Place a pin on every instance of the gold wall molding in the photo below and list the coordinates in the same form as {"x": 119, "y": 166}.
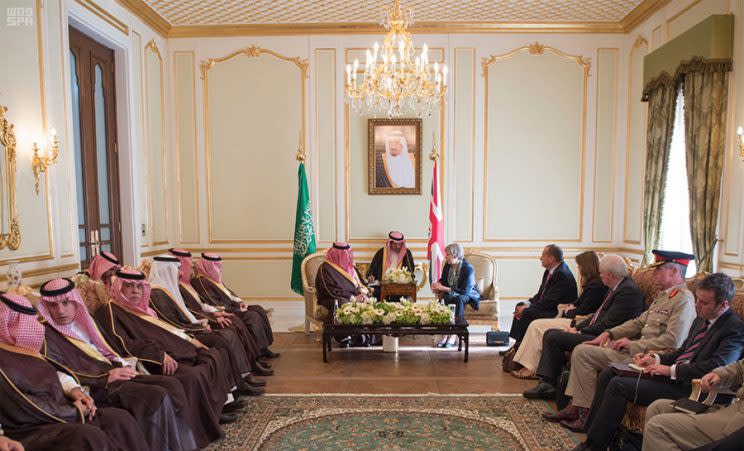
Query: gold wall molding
{"x": 735, "y": 266}
{"x": 44, "y": 271}
{"x": 317, "y": 145}
{"x": 614, "y": 146}
{"x": 676, "y": 16}
{"x": 641, "y": 13}
{"x": 153, "y": 47}
{"x": 147, "y": 15}
{"x": 103, "y": 14}
{"x": 584, "y": 63}
{"x": 206, "y": 65}
{"x": 11, "y": 239}
{"x": 639, "y": 43}
{"x": 178, "y": 150}
{"x": 454, "y": 129}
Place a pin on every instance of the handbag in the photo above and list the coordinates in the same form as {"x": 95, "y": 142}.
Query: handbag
{"x": 497, "y": 338}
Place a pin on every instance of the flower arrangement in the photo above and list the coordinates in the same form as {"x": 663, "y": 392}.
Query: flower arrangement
{"x": 404, "y": 312}
{"x": 397, "y": 275}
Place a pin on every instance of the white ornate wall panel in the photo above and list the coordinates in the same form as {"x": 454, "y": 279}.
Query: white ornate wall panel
{"x": 259, "y": 279}
{"x": 254, "y": 113}
{"x": 156, "y": 144}
{"x": 604, "y": 152}
{"x": 535, "y": 134}
{"x": 463, "y": 152}
{"x": 23, "y": 91}
{"x": 185, "y": 117}
{"x": 370, "y": 218}
{"x": 635, "y": 151}
{"x": 324, "y": 167}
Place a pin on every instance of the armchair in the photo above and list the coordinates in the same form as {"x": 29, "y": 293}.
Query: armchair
{"x": 314, "y": 313}
{"x": 486, "y": 279}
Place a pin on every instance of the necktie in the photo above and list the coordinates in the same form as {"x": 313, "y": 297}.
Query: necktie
{"x": 545, "y": 285}
{"x": 596, "y": 314}
{"x": 689, "y": 353}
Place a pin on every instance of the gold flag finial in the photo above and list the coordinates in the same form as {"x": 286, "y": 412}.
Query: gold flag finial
{"x": 434, "y": 154}
{"x": 300, "y": 151}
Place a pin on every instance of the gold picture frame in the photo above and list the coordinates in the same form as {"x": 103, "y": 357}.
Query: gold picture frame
{"x": 390, "y": 171}
{"x": 10, "y": 231}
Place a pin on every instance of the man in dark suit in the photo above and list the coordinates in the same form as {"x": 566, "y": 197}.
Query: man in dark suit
{"x": 623, "y": 301}
{"x": 716, "y": 338}
{"x": 558, "y": 286}
{"x": 457, "y": 284}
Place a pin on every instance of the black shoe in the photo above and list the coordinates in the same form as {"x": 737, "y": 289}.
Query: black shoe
{"x": 250, "y": 391}
{"x": 345, "y": 342}
{"x": 253, "y": 382}
{"x": 266, "y": 352}
{"x": 543, "y": 390}
{"x": 227, "y": 418}
{"x": 260, "y": 370}
{"x": 505, "y": 351}
{"x": 233, "y": 406}
{"x": 264, "y": 363}
{"x": 582, "y": 447}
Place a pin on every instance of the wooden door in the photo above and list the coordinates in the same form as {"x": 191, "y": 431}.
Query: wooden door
{"x": 96, "y": 159}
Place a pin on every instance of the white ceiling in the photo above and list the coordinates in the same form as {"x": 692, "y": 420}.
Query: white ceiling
{"x": 233, "y": 12}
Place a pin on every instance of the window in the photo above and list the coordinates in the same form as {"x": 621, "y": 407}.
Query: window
{"x": 675, "y": 220}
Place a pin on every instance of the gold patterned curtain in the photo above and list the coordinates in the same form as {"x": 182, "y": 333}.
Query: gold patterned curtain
{"x": 706, "y": 94}
{"x": 662, "y": 101}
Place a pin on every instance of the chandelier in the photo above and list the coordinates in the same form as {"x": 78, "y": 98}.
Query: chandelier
{"x": 393, "y": 76}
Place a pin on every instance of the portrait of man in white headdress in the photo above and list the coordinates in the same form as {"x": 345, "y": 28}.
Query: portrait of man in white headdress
{"x": 395, "y": 149}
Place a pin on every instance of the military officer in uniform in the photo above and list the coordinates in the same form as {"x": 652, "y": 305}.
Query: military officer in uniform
{"x": 663, "y": 326}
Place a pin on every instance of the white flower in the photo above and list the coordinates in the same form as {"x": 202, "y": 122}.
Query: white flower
{"x": 389, "y": 318}
{"x": 425, "y": 318}
{"x": 366, "y": 319}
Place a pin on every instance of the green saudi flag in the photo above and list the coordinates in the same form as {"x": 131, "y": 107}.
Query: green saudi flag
{"x": 304, "y": 236}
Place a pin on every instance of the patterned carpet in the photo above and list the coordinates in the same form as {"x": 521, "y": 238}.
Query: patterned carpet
{"x": 394, "y": 422}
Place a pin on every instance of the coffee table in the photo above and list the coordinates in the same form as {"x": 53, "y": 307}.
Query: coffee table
{"x": 343, "y": 330}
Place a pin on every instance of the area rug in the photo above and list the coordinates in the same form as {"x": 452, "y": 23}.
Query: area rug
{"x": 393, "y": 422}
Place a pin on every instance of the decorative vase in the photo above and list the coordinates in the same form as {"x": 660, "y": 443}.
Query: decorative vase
{"x": 15, "y": 278}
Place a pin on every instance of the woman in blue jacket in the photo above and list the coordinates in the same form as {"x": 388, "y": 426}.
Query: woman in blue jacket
{"x": 456, "y": 286}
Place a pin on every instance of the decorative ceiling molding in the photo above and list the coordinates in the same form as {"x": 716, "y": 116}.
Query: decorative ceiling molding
{"x": 183, "y": 17}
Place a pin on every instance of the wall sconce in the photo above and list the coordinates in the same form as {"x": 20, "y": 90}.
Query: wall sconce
{"x": 740, "y": 134}
{"x": 45, "y": 156}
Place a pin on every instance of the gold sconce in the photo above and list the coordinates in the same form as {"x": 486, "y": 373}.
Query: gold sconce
{"x": 45, "y": 156}
{"x": 740, "y": 134}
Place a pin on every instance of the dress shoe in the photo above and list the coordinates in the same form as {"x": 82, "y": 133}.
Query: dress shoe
{"x": 569, "y": 413}
{"x": 233, "y": 406}
{"x": 266, "y": 352}
{"x": 543, "y": 390}
{"x": 250, "y": 391}
{"x": 264, "y": 363}
{"x": 253, "y": 382}
{"x": 583, "y": 446}
{"x": 227, "y": 418}
{"x": 260, "y": 370}
{"x": 579, "y": 424}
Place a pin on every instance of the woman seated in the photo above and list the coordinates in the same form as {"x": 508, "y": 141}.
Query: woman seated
{"x": 338, "y": 282}
{"x": 593, "y": 292}
{"x": 456, "y": 287}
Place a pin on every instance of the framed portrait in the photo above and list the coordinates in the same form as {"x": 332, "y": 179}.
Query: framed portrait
{"x": 394, "y": 156}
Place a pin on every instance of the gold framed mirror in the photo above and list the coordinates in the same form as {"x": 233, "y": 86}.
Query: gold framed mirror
{"x": 10, "y": 232}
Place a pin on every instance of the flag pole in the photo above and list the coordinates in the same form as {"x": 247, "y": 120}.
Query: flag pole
{"x": 300, "y": 156}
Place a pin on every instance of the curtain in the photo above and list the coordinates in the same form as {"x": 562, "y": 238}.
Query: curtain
{"x": 662, "y": 100}
{"x": 706, "y": 94}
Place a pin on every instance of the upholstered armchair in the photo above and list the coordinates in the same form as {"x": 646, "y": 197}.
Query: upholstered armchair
{"x": 314, "y": 313}
{"x": 635, "y": 415}
{"x": 486, "y": 279}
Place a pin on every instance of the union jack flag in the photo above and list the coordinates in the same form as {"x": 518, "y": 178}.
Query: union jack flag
{"x": 435, "y": 248}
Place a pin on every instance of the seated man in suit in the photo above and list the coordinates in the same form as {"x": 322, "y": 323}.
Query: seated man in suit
{"x": 718, "y": 429}
{"x": 663, "y": 325}
{"x": 716, "y": 338}
{"x": 456, "y": 286}
{"x": 558, "y": 286}
{"x": 622, "y": 302}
